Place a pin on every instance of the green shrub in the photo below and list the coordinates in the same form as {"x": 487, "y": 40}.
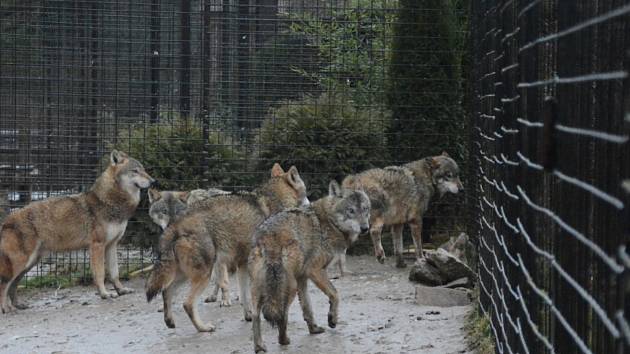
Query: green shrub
{"x": 175, "y": 155}
{"x": 325, "y": 137}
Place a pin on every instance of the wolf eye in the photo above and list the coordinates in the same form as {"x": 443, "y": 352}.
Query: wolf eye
{"x": 136, "y": 170}
{"x": 350, "y": 211}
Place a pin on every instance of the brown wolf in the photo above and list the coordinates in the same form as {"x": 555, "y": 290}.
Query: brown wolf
{"x": 401, "y": 194}
{"x": 166, "y": 206}
{"x": 218, "y": 231}
{"x": 296, "y": 245}
{"x": 95, "y": 219}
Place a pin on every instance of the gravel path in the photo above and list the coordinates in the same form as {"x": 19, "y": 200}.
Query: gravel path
{"x": 377, "y": 316}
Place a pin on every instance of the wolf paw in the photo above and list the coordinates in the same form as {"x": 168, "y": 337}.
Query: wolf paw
{"x": 206, "y": 328}
{"x": 315, "y": 329}
{"x": 225, "y": 303}
{"x": 332, "y": 321}
{"x": 260, "y": 348}
{"x": 211, "y": 298}
{"x": 284, "y": 340}
{"x": 169, "y": 322}
{"x": 124, "y": 291}
{"x": 108, "y": 295}
{"x": 8, "y": 308}
{"x": 248, "y": 316}
{"x": 380, "y": 259}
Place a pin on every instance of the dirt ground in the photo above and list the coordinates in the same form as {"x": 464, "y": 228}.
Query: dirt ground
{"x": 377, "y": 316}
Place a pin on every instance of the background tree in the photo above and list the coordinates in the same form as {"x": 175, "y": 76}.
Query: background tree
{"x": 425, "y": 80}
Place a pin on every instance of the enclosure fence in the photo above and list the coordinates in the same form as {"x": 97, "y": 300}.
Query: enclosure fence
{"x": 210, "y": 93}
{"x": 550, "y": 153}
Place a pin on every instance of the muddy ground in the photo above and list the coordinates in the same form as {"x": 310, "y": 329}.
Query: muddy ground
{"x": 377, "y": 315}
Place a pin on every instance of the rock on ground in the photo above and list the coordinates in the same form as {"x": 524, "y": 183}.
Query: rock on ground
{"x": 440, "y": 296}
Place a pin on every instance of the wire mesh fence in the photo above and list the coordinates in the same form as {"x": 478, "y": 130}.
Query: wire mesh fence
{"x": 550, "y": 152}
{"x": 210, "y": 93}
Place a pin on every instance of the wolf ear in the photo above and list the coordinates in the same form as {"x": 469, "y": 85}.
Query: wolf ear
{"x": 293, "y": 175}
{"x": 276, "y": 170}
{"x": 445, "y": 154}
{"x": 434, "y": 162}
{"x": 117, "y": 157}
{"x": 334, "y": 190}
{"x": 154, "y": 195}
{"x": 183, "y": 196}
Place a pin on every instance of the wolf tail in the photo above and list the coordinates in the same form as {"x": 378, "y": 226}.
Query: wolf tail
{"x": 274, "y": 302}
{"x": 164, "y": 270}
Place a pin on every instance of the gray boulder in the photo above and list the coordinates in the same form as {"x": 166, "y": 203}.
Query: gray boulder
{"x": 449, "y": 266}
{"x": 425, "y": 273}
{"x": 442, "y": 297}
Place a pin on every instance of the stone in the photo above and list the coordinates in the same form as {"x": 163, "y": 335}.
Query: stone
{"x": 449, "y": 267}
{"x": 425, "y": 273}
{"x": 459, "y": 283}
{"x": 441, "y": 297}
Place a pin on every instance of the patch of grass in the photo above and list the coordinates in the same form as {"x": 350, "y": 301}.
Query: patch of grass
{"x": 69, "y": 279}
{"x": 478, "y": 331}
{"x": 57, "y": 280}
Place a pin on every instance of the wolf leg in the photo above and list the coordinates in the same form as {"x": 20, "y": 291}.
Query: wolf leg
{"x": 283, "y": 338}
{"x": 259, "y": 345}
{"x": 375, "y": 234}
{"x": 305, "y": 304}
{"x": 13, "y": 289}
{"x": 111, "y": 261}
{"x": 30, "y": 263}
{"x": 320, "y": 279}
{"x": 198, "y": 285}
{"x": 397, "y": 238}
{"x": 223, "y": 283}
{"x": 416, "y": 231}
{"x": 167, "y": 297}
{"x": 215, "y": 290}
{"x": 97, "y": 260}
{"x": 342, "y": 264}
{"x": 5, "y": 299}
{"x": 243, "y": 284}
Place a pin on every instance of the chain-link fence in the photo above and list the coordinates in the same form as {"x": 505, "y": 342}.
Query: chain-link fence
{"x": 209, "y": 93}
{"x": 550, "y": 131}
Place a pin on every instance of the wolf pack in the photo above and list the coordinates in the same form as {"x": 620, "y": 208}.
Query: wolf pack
{"x": 272, "y": 238}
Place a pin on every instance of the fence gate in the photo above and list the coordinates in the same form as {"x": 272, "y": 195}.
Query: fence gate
{"x": 550, "y": 130}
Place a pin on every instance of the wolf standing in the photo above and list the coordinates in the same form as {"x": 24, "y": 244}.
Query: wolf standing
{"x": 95, "y": 219}
{"x": 296, "y": 245}
{"x": 218, "y": 231}
{"x": 401, "y": 194}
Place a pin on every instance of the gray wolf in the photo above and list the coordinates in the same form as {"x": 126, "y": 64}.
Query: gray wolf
{"x": 218, "y": 231}
{"x": 95, "y": 219}
{"x": 401, "y": 194}
{"x": 296, "y": 245}
{"x": 166, "y": 206}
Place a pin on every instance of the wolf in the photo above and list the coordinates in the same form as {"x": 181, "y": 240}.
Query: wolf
{"x": 166, "y": 206}
{"x": 296, "y": 245}
{"x": 401, "y": 194}
{"x": 95, "y": 219}
{"x": 218, "y": 231}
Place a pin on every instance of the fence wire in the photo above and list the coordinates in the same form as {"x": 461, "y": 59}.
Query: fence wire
{"x": 210, "y": 93}
{"x": 550, "y": 152}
